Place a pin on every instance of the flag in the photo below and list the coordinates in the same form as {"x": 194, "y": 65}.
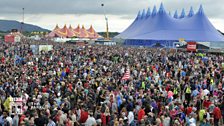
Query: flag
{"x": 126, "y": 75}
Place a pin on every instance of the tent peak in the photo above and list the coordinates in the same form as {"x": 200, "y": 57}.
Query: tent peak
{"x": 70, "y": 26}
{"x": 154, "y": 11}
{"x": 148, "y": 13}
{"x": 191, "y": 12}
{"x": 201, "y": 10}
{"x": 175, "y": 14}
{"x": 91, "y": 26}
{"x": 65, "y": 26}
{"x": 139, "y": 14}
{"x": 161, "y": 8}
{"x": 78, "y": 27}
{"x": 182, "y": 13}
{"x": 143, "y": 14}
{"x": 56, "y": 27}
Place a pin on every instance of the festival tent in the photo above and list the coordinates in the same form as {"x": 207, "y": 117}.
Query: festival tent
{"x": 182, "y": 14}
{"x": 175, "y": 14}
{"x": 93, "y": 34}
{"x": 160, "y": 26}
{"x": 73, "y": 31}
{"x": 196, "y": 28}
{"x": 64, "y": 33}
{"x": 135, "y": 26}
{"x": 77, "y": 30}
{"x": 83, "y": 33}
{"x": 191, "y": 12}
{"x": 53, "y": 33}
{"x": 56, "y": 28}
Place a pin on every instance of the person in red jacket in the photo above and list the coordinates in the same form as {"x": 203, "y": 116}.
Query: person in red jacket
{"x": 217, "y": 115}
{"x": 141, "y": 114}
{"x": 3, "y": 59}
{"x": 207, "y": 103}
{"x": 67, "y": 70}
{"x": 189, "y": 110}
{"x": 103, "y": 119}
{"x": 84, "y": 116}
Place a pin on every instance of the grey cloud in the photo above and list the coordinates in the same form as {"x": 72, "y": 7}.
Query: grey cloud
{"x": 125, "y": 8}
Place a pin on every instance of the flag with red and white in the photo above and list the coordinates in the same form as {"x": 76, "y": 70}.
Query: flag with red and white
{"x": 126, "y": 75}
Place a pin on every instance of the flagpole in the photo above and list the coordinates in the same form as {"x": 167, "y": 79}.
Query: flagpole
{"x": 107, "y": 26}
{"x": 21, "y": 30}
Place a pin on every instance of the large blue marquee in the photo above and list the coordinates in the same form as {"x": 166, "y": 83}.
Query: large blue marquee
{"x": 154, "y": 26}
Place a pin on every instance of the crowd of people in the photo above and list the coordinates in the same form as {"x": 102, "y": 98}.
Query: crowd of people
{"x": 84, "y": 85}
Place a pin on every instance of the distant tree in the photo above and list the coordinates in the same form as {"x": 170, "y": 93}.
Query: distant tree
{"x": 112, "y": 34}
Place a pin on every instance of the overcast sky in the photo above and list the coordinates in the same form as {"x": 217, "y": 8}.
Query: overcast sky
{"x": 121, "y": 13}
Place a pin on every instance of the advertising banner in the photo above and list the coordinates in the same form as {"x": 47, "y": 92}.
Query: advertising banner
{"x": 45, "y": 48}
{"x": 35, "y": 49}
{"x": 9, "y": 38}
{"x": 191, "y": 46}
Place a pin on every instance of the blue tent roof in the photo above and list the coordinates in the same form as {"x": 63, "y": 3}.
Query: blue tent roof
{"x": 161, "y": 9}
{"x": 154, "y": 11}
{"x": 148, "y": 14}
{"x": 175, "y": 14}
{"x": 143, "y": 14}
{"x": 201, "y": 10}
{"x": 182, "y": 14}
{"x": 191, "y": 12}
{"x": 139, "y": 15}
{"x": 161, "y": 26}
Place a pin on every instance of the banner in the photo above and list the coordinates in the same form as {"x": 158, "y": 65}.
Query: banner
{"x": 45, "y": 48}
{"x": 35, "y": 49}
{"x": 16, "y": 106}
{"x": 191, "y": 46}
{"x": 9, "y": 38}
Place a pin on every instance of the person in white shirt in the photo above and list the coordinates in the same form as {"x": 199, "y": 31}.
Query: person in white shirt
{"x": 166, "y": 121}
{"x": 130, "y": 117}
{"x": 192, "y": 121}
{"x": 9, "y": 120}
{"x": 15, "y": 120}
{"x": 91, "y": 121}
